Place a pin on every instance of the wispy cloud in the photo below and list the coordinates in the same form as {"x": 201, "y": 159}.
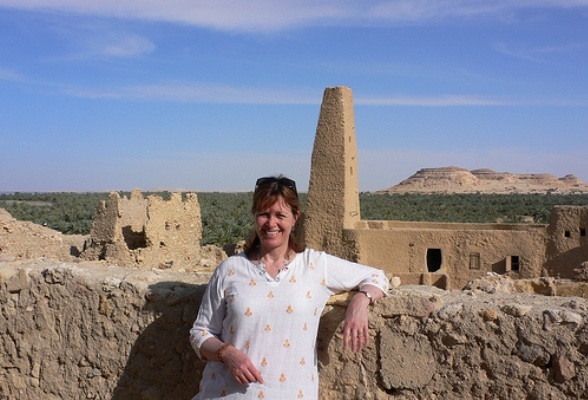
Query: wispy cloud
{"x": 211, "y": 93}
{"x": 12, "y": 76}
{"x": 433, "y": 101}
{"x": 200, "y": 93}
{"x": 102, "y": 42}
{"x": 274, "y": 15}
{"x": 439, "y": 10}
{"x": 119, "y": 46}
{"x": 187, "y": 92}
{"x": 537, "y": 54}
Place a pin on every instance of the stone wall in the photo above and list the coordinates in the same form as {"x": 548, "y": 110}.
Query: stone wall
{"x": 93, "y": 331}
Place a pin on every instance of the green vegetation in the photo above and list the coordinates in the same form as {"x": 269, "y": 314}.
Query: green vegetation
{"x": 226, "y": 217}
{"x": 70, "y": 213}
{"x": 474, "y": 208}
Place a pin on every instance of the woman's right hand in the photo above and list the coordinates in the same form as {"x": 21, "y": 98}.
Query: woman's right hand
{"x": 241, "y": 366}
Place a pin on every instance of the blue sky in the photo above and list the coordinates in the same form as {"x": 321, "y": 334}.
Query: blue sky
{"x": 209, "y": 95}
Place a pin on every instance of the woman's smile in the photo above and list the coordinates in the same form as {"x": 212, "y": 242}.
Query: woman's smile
{"x": 274, "y": 225}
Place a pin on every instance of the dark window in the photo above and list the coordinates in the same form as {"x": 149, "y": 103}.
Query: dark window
{"x": 582, "y": 231}
{"x": 134, "y": 240}
{"x": 514, "y": 263}
{"x": 433, "y": 260}
{"x": 567, "y": 234}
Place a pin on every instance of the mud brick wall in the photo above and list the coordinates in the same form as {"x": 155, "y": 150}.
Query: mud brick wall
{"x": 92, "y": 331}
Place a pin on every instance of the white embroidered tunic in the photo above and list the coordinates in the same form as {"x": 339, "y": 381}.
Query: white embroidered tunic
{"x": 272, "y": 320}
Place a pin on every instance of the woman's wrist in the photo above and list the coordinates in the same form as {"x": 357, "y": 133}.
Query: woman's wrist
{"x": 368, "y": 295}
{"x": 221, "y": 350}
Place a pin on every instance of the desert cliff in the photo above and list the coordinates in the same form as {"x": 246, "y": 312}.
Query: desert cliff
{"x": 460, "y": 180}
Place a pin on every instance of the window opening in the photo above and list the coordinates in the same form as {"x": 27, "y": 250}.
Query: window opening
{"x": 134, "y": 240}
{"x": 434, "y": 260}
{"x": 567, "y": 234}
{"x": 512, "y": 263}
{"x": 582, "y": 231}
{"x": 474, "y": 260}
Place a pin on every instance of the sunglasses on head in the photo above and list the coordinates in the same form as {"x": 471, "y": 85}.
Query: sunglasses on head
{"x": 287, "y": 182}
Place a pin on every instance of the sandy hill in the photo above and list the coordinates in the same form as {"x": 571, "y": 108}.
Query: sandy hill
{"x": 460, "y": 180}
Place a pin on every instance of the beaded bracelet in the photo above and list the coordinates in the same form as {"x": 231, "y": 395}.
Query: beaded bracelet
{"x": 219, "y": 352}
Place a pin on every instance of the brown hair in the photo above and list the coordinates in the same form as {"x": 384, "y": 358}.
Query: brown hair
{"x": 267, "y": 192}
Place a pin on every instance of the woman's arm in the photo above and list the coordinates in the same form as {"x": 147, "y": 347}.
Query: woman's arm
{"x": 238, "y": 363}
{"x": 355, "y": 328}
{"x": 344, "y": 275}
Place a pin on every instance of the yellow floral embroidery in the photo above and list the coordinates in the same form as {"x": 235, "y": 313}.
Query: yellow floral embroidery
{"x": 315, "y": 311}
{"x": 324, "y": 282}
{"x": 308, "y": 295}
{"x": 231, "y": 272}
{"x": 271, "y": 294}
{"x": 283, "y": 377}
{"x": 305, "y": 327}
{"x": 246, "y": 346}
{"x": 289, "y": 310}
{"x": 252, "y": 282}
{"x": 293, "y": 279}
{"x": 268, "y": 328}
{"x": 232, "y": 330}
{"x": 261, "y": 395}
{"x": 302, "y": 361}
{"x": 300, "y": 394}
{"x": 311, "y": 266}
{"x": 287, "y": 343}
{"x": 264, "y": 362}
{"x": 248, "y": 312}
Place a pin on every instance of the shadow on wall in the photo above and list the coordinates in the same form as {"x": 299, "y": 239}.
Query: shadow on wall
{"x": 329, "y": 327}
{"x": 162, "y": 364}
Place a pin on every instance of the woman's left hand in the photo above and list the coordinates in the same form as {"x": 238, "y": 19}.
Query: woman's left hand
{"x": 355, "y": 328}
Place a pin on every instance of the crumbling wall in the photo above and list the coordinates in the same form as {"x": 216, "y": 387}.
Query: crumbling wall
{"x": 91, "y": 331}
{"x": 23, "y": 240}
{"x": 567, "y": 248}
{"x": 149, "y": 232}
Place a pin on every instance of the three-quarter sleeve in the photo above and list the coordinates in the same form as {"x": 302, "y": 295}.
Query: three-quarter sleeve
{"x": 344, "y": 275}
{"x": 209, "y": 322}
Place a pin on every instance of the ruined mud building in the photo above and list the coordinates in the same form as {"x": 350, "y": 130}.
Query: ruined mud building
{"x": 146, "y": 232}
{"x": 447, "y": 255}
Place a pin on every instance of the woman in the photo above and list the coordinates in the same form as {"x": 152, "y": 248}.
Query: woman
{"x": 259, "y": 317}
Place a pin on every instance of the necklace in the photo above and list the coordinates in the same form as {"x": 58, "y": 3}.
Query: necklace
{"x": 287, "y": 259}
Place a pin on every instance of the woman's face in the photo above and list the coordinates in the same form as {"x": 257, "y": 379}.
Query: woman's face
{"x": 273, "y": 225}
